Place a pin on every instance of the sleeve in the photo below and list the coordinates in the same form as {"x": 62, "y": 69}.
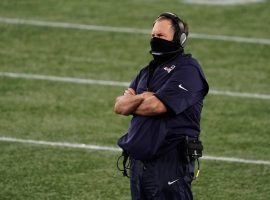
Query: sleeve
{"x": 135, "y": 81}
{"x": 183, "y": 89}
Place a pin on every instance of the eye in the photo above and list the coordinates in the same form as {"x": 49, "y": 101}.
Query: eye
{"x": 159, "y": 35}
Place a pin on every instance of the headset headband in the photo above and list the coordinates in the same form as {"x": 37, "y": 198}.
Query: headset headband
{"x": 180, "y": 35}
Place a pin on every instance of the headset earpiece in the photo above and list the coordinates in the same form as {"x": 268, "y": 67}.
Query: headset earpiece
{"x": 183, "y": 39}
{"x": 182, "y": 33}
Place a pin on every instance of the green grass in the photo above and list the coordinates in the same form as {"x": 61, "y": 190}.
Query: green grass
{"x": 86, "y": 54}
{"x": 34, "y": 172}
{"x": 62, "y": 111}
{"x": 56, "y": 111}
{"x": 246, "y": 20}
{"x": 80, "y": 113}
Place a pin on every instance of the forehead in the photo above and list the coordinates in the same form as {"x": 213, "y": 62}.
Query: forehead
{"x": 163, "y": 25}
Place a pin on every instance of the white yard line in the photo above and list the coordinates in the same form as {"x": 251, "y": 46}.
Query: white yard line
{"x": 118, "y": 83}
{"x": 114, "y": 149}
{"x": 237, "y": 160}
{"x": 60, "y": 144}
{"x": 240, "y": 94}
{"x": 67, "y": 25}
{"x": 63, "y": 79}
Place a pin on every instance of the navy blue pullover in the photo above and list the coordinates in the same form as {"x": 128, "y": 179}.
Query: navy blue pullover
{"x": 181, "y": 86}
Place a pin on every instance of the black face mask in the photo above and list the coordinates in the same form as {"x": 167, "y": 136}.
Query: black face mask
{"x": 163, "y": 50}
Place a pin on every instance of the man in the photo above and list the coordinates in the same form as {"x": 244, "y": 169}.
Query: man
{"x": 165, "y": 99}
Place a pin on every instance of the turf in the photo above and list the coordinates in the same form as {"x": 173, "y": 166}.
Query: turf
{"x": 34, "y": 172}
{"x": 45, "y": 110}
{"x": 42, "y": 173}
{"x": 105, "y": 55}
{"x": 80, "y": 113}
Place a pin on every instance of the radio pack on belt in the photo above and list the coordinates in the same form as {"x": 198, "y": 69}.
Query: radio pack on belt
{"x": 193, "y": 151}
{"x": 194, "y": 148}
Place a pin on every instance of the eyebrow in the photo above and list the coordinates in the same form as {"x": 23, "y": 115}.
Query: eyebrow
{"x": 159, "y": 34}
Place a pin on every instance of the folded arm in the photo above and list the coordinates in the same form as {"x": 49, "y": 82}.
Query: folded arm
{"x": 127, "y": 104}
{"x": 151, "y": 106}
{"x": 145, "y": 104}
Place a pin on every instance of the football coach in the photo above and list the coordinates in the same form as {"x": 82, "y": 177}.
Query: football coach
{"x": 165, "y": 100}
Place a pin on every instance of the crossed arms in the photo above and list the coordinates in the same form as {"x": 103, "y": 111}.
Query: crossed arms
{"x": 145, "y": 104}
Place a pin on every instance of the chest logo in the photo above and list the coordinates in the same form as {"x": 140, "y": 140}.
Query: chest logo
{"x": 169, "y": 69}
{"x": 172, "y": 182}
{"x": 180, "y": 86}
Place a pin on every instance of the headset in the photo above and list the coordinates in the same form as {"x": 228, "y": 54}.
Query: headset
{"x": 181, "y": 31}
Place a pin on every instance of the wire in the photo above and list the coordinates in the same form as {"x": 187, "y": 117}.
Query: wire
{"x": 198, "y": 170}
{"x": 126, "y": 166}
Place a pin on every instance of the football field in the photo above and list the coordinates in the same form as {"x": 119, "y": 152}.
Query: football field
{"x": 63, "y": 63}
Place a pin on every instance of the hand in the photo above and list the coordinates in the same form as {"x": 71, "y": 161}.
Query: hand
{"x": 145, "y": 95}
{"x": 129, "y": 91}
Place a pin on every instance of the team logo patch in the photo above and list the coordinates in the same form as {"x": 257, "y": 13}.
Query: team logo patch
{"x": 169, "y": 69}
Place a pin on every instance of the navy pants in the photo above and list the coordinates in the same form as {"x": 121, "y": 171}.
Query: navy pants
{"x": 168, "y": 177}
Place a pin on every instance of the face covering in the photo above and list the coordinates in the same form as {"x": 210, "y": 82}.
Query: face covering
{"x": 163, "y": 50}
